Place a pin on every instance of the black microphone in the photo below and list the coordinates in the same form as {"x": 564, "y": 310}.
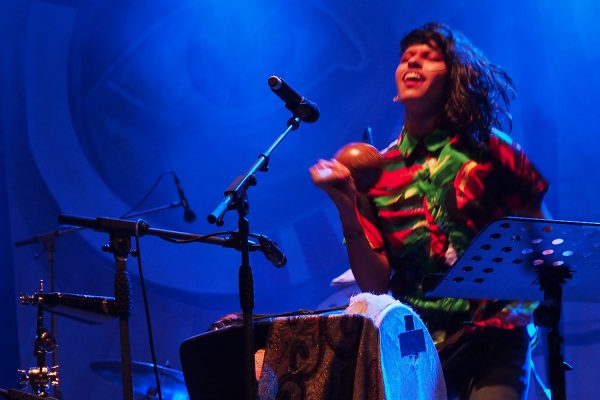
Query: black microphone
{"x": 303, "y": 108}
{"x": 188, "y": 214}
{"x": 367, "y": 136}
{"x": 271, "y": 251}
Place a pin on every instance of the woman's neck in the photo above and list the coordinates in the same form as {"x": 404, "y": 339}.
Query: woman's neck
{"x": 420, "y": 125}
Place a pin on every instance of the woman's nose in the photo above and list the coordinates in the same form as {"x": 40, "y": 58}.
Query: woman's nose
{"x": 414, "y": 61}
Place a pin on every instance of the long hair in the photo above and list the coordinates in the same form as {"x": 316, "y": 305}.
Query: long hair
{"x": 478, "y": 93}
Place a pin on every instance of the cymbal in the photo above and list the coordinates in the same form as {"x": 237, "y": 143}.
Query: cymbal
{"x": 172, "y": 383}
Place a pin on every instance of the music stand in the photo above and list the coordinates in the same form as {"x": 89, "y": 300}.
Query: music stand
{"x": 531, "y": 259}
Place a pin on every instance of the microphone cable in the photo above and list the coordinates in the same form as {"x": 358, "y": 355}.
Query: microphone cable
{"x": 148, "y": 193}
{"x": 264, "y": 245}
{"x": 138, "y": 255}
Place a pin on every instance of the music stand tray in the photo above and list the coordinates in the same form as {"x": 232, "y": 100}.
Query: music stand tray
{"x": 531, "y": 259}
{"x": 505, "y": 261}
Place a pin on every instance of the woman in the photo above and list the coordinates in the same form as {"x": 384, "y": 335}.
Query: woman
{"x": 450, "y": 172}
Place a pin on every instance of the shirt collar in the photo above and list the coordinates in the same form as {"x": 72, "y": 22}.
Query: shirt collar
{"x": 432, "y": 142}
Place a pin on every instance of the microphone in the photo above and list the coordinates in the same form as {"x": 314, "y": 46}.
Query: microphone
{"x": 188, "y": 214}
{"x": 271, "y": 251}
{"x": 303, "y": 108}
{"x": 367, "y": 136}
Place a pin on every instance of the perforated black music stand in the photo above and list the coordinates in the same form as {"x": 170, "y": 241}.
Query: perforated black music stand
{"x": 531, "y": 259}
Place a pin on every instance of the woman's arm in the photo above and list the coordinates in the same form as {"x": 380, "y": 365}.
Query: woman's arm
{"x": 370, "y": 268}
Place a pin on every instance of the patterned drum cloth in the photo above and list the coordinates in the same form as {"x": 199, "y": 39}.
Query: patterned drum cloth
{"x": 378, "y": 349}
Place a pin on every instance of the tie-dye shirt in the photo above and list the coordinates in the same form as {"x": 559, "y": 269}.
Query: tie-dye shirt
{"x": 433, "y": 197}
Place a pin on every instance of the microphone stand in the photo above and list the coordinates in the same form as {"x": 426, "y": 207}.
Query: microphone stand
{"x": 120, "y": 233}
{"x": 236, "y": 199}
{"x": 48, "y": 239}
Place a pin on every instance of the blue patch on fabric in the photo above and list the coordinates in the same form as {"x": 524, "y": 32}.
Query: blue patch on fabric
{"x": 412, "y": 342}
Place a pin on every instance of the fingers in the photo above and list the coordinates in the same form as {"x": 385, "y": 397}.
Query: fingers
{"x": 321, "y": 170}
{"x": 329, "y": 171}
{"x": 335, "y": 179}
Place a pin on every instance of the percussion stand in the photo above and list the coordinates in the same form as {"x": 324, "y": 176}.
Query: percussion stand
{"x": 236, "y": 199}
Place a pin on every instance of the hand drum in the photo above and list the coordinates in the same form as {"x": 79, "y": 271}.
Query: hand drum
{"x": 364, "y": 162}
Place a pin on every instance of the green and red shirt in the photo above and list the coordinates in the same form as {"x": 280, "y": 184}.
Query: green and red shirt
{"x": 433, "y": 197}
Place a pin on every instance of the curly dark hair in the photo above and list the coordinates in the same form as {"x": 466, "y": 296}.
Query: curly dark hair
{"x": 479, "y": 92}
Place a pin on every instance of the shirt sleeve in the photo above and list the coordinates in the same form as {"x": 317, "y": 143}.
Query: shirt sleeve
{"x": 523, "y": 185}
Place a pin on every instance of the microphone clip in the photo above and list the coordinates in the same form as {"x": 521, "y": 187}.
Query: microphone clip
{"x": 271, "y": 251}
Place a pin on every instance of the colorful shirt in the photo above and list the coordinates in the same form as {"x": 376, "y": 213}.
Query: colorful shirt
{"x": 433, "y": 197}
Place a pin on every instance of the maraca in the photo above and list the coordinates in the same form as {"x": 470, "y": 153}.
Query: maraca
{"x": 364, "y": 162}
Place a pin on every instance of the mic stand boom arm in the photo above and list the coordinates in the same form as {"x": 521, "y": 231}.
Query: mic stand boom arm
{"x": 236, "y": 192}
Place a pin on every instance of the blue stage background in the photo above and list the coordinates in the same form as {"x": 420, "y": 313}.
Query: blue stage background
{"x": 99, "y": 97}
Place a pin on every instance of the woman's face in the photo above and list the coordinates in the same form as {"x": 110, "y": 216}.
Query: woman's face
{"x": 421, "y": 78}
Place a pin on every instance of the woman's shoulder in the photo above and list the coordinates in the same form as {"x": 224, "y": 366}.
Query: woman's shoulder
{"x": 390, "y": 147}
{"x": 500, "y": 139}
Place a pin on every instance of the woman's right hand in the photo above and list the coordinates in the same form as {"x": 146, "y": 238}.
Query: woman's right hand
{"x": 335, "y": 179}
{"x": 371, "y": 268}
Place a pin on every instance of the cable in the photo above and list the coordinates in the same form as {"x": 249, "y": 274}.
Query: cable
{"x": 535, "y": 339}
{"x": 147, "y": 308}
{"x": 148, "y": 193}
{"x": 269, "y": 248}
{"x": 199, "y": 238}
{"x": 539, "y": 380}
{"x": 202, "y": 237}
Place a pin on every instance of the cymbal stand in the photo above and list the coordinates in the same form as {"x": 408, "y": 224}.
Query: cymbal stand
{"x": 40, "y": 378}
{"x": 48, "y": 240}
